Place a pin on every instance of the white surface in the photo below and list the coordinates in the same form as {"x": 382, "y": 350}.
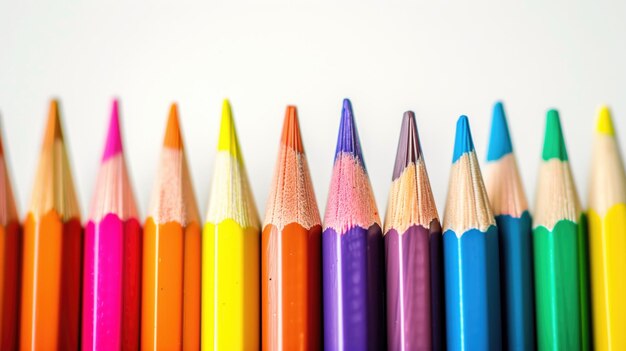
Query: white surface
{"x": 441, "y": 60}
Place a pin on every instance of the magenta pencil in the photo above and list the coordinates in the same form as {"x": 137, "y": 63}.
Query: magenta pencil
{"x": 112, "y": 270}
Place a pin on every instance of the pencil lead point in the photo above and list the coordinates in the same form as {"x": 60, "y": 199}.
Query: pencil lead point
{"x": 348, "y": 139}
{"x": 291, "y": 136}
{"x": 409, "y": 147}
{"x": 605, "y": 122}
{"x": 173, "y": 138}
{"x": 554, "y": 143}
{"x": 114, "y": 138}
{"x": 463, "y": 141}
{"x": 500, "y": 139}
{"x": 228, "y": 134}
{"x": 53, "y": 128}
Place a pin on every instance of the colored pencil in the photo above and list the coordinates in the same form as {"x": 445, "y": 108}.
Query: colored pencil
{"x": 10, "y": 254}
{"x": 352, "y": 251}
{"x": 509, "y": 204}
{"x": 170, "y": 317}
{"x": 607, "y": 237}
{"x": 53, "y": 242}
{"x": 230, "y": 252}
{"x": 291, "y": 251}
{"x": 415, "y": 310}
{"x": 471, "y": 258}
{"x": 556, "y": 244}
{"x": 112, "y": 270}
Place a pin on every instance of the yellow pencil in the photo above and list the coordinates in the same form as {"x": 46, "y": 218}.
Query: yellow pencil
{"x": 230, "y": 252}
{"x": 607, "y": 237}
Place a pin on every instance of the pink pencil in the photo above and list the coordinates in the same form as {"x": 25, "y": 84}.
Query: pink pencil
{"x": 112, "y": 274}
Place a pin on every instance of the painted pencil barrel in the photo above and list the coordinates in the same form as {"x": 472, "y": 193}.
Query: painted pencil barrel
{"x": 557, "y": 286}
{"x": 131, "y": 284}
{"x": 10, "y": 254}
{"x": 410, "y": 306}
{"x": 471, "y": 264}
{"x": 192, "y": 296}
{"x": 517, "y": 281}
{"x": 112, "y": 283}
{"x": 607, "y": 239}
{"x": 583, "y": 274}
{"x": 353, "y": 283}
{"x": 170, "y": 304}
{"x": 437, "y": 292}
{"x": 291, "y": 288}
{"x": 51, "y": 288}
{"x": 102, "y": 299}
{"x": 230, "y": 287}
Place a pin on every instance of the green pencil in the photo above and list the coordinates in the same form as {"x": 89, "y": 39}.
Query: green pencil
{"x": 560, "y": 246}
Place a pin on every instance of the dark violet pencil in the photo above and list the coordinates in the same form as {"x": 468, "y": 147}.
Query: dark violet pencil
{"x": 352, "y": 249}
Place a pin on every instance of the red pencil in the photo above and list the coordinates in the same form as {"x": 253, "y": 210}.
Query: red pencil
{"x": 9, "y": 259}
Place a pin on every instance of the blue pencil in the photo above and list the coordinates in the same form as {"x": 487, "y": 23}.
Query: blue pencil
{"x": 508, "y": 201}
{"x": 471, "y": 260}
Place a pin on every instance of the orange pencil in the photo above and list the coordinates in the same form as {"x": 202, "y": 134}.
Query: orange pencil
{"x": 291, "y": 251}
{"x": 9, "y": 259}
{"x": 51, "y": 278}
{"x": 171, "y": 253}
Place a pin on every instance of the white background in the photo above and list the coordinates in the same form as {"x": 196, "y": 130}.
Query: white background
{"x": 441, "y": 60}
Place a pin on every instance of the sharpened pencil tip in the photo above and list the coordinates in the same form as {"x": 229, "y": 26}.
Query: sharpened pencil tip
{"x": 114, "y": 138}
{"x": 463, "y": 141}
{"x": 228, "y": 135}
{"x": 291, "y": 137}
{"x": 173, "y": 138}
{"x": 409, "y": 148}
{"x": 348, "y": 139}
{"x": 1, "y": 142}
{"x": 347, "y": 105}
{"x": 500, "y": 139}
{"x": 554, "y": 143}
{"x": 53, "y": 128}
{"x": 605, "y": 122}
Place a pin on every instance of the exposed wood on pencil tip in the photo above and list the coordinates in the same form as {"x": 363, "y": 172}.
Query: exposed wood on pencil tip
{"x": 605, "y": 122}
{"x": 8, "y": 210}
{"x": 1, "y": 141}
{"x": 556, "y": 196}
{"x": 53, "y": 188}
{"x": 607, "y": 185}
{"x": 291, "y": 136}
{"x": 53, "y": 128}
{"x": 173, "y": 137}
{"x": 467, "y": 206}
{"x": 291, "y": 198}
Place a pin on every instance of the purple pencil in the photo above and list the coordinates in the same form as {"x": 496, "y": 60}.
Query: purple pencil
{"x": 352, "y": 248}
{"x": 413, "y": 251}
